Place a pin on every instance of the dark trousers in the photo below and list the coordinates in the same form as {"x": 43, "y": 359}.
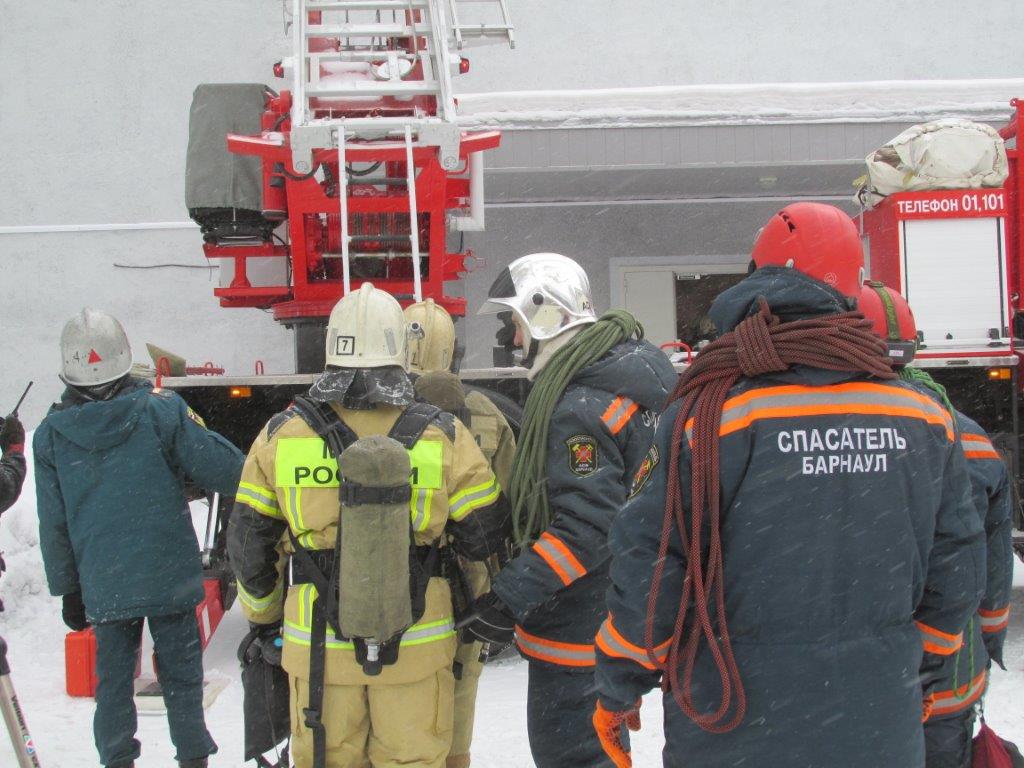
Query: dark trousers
{"x": 559, "y": 707}
{"x": 947, "y": 742}
{"x": 179, "y": 660}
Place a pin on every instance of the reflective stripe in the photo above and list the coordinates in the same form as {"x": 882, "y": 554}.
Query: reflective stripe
{"x": 417, "y": 634}
{"x": 978, "y": 447}
{"x": 615, "y": 645}
{"x": 259, "y": 498}
{"x": 994, "y": 621}
{"x": 259, "y": 604}
{"x": 419, "y": 504}
{"x": 618, "y": 414}
{"x": 464, "y": 502}
{"x": 559, "y": 558}
{"x": 947, "y": 702}
{"x": 938, "y": 642}
{"x": 858, "y": 398}
{"x": 554, "y": 652}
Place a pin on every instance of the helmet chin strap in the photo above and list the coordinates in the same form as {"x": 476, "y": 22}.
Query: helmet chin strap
{"x": 531, "y": 356}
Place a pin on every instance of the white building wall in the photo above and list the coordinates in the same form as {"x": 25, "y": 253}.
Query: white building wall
{"x": 94, "y": 109}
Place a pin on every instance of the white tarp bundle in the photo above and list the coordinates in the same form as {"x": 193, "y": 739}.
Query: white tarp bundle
{"x": 944, "y": 154}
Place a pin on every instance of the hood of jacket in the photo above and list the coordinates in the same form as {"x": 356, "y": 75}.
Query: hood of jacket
{"x": 634, "y": 369}
{"x": 104, "y": 424}
{"x": 791, "y": 295}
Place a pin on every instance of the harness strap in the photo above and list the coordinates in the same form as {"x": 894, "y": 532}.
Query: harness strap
{"x": 317, "y": 660}
{"x": 414, "y": 422}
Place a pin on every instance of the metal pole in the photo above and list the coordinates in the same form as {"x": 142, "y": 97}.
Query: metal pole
{"x": 24, "y": 748}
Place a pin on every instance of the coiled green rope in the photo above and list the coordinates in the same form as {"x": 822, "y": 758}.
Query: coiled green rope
{"x": 918, "y": 376}
{"x": 528, "y": 486}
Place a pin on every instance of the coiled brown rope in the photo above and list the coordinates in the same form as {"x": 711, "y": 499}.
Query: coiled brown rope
{"x": 759, "y": 345}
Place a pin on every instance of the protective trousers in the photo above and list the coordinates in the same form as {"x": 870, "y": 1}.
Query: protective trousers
{"x": 383, "y": 726}
{"x": 947, "y": 741}
{"x": 559, "y": 706}
{"x": 179, "y": 661}
{"x": 468, "y": 668}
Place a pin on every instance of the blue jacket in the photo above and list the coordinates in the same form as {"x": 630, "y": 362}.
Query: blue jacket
{"x": 600, "y": 431}
{"x": 964, "y": 680}
{"x": 113, "y": 519}
{"x": 850, "y": 547}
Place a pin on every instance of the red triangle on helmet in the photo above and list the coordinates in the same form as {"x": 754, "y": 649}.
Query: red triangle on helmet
{"x": 94, "y": 357}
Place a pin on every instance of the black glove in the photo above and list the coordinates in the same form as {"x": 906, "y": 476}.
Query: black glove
{"x": 489, "y": 620}
{"x": 263, "y": 641}
{"x": 73, "y": 612}
{"x": 12, "y": 434}
{"x": 505, "y": 336}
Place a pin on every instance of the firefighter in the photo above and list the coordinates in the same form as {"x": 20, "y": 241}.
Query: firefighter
{"x": 431, "y": 358}
{"x": 950, "y": 725}
{"x": 353, "y": 704}
{"x": 588, "y": 422}
{"x": 801, "y": 532}
{"x": 116, "y": 537}
{"x": 12, "y": 462}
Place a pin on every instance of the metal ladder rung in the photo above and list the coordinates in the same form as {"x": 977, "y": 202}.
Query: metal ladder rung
{"x": 384, "y": 88}
{"x": 369, "y": 30}
{"x": 367, "y": 5}
{"x": 484, "y": 29}
{"x": 372, "y": 57}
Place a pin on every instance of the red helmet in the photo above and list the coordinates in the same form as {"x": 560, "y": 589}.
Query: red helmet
{"x": 893, "y": 319}
{"x": 817, "y": 239}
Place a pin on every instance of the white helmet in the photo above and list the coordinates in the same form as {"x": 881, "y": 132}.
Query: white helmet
{"x": 94, "y": 349}
{"x": 367, "y": 330}
{"x": 548, "y": 292}
{"x": 432, "y": 340}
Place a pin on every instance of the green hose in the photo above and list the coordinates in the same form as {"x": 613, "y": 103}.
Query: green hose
{"x": 528, "y": 486}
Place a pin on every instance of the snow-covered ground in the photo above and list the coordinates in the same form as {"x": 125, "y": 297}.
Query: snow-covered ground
{"x": 62, "y": 726}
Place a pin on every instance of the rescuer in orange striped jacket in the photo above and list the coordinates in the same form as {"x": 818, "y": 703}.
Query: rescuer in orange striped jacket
{"x": 849, "y": 545}
{"x": 950, "y": 723}
{"x": 600, "y": 428}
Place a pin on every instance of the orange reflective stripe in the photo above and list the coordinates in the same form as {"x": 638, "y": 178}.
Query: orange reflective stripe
{"x": 559, "y": 558}
{"x": 795, "y": 401}
{"x": 978, "y": 447}
{"x": 618, "y": 414}
{"x": 994, "y": 621}
{"x": 948, "y": 702}
{"x": 553, "y": 651}
{"x": 939, "y": 642}
{"x": 612, "y": 643}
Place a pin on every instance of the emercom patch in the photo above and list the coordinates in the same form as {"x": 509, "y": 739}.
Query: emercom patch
{"x": 582, "y": 454}
{"x": 306, "y": 462}
{"x": 643, "y": 474}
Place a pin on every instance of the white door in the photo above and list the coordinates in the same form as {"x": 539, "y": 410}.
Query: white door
{"x": 649, "y": 293}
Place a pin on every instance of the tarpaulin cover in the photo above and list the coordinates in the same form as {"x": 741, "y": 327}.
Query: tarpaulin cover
{"x": 945, "y": 154}
{"x": 214, "y": 177}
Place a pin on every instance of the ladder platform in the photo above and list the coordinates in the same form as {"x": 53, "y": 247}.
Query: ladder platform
{"x": 364, "y": 88}
{"x": 369, "y": 30}
{"x": 367, "y": 5}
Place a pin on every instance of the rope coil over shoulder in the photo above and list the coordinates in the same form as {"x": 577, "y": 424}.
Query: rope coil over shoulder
{"x": 759, "y": 345}
{"x": 528, "y": 487}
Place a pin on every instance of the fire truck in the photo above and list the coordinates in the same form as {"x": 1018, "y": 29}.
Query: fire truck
{"x": 955, "y": 255}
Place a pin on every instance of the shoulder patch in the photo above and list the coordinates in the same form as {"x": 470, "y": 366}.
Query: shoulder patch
{"x": 161, "y": 392}
{"x": 643, "y": 474}
{"x": 583, "y": 457}
{"x": 195, "y": 417}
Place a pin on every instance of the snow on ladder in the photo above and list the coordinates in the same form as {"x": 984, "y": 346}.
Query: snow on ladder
{"x": 503, "y": 29}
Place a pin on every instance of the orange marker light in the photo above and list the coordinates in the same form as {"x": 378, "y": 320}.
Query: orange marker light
{"x": 1000, "y": 374}
{"x": 240, "y": 392}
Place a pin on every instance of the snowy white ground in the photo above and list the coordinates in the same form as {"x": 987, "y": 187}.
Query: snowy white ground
{"x": 62, "y": 726}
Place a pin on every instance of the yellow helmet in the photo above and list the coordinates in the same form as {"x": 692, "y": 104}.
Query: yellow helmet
{"x": 431, "y": 338}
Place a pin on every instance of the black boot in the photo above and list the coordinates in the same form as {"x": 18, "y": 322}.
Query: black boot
{"x": 199, "y": 762}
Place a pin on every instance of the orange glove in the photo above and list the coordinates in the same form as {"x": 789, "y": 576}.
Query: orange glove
{"x": 609, "y": 731}
{"x": 926, "y": 707}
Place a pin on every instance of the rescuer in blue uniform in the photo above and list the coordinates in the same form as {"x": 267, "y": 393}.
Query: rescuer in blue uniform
{"x": 832, "y": 553}
{"x": 115, "y": 531}
{"x": 12, "y": 462}
{"x": 588, "y": 423}
{"x": 953, "y": 694}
